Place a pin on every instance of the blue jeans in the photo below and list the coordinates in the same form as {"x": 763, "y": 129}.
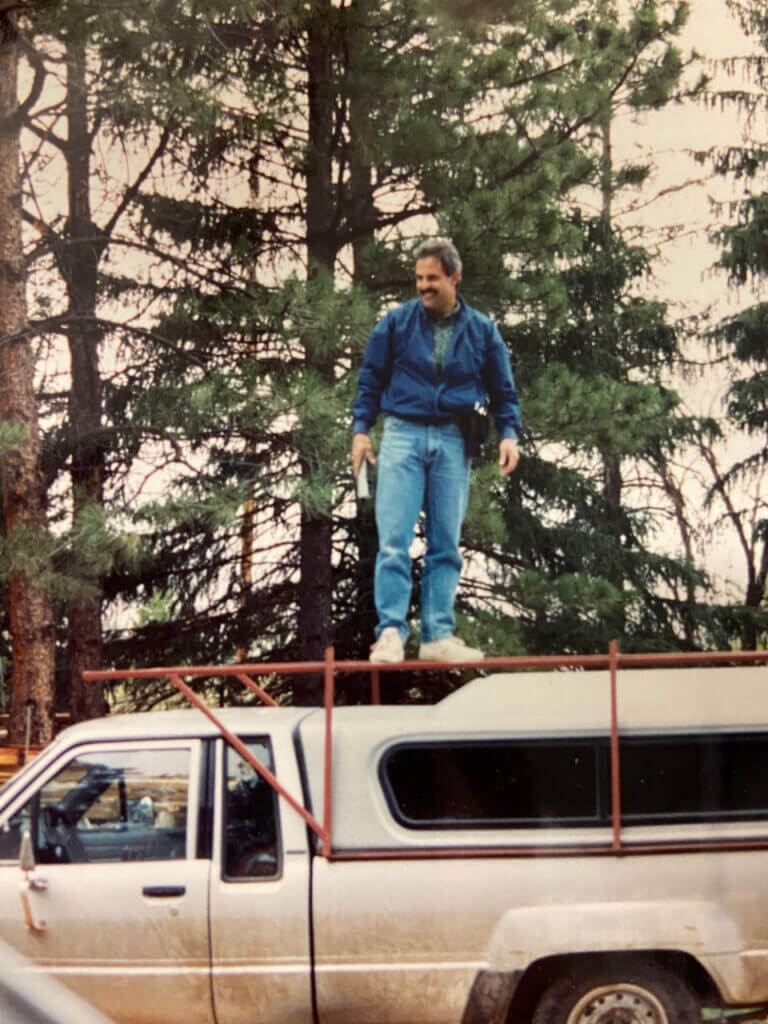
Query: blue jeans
{"x": 419, "y": 467}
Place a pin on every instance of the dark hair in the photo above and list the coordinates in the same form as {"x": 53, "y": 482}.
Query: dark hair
{"x": 444, "y": 250}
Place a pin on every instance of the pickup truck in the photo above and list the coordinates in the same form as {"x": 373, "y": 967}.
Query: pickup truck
{"x": 537, "y": 847}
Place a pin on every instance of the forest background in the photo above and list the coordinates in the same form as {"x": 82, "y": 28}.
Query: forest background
{"x": 205, "y": 206}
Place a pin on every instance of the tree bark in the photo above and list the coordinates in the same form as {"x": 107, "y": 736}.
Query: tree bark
{"x": 80, "y": 262}
{"x": 315, "y": 627}
{"x": 362, "y": 218}
{"x": 613, "y": 481}
{"x": 31, "y": 613}
{"x": 676, "y": 496}
{"x": 758, "y": 575}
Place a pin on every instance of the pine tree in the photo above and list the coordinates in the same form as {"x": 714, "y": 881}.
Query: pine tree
{"x": 300, "y": 152}
{"x": 25, "y": 541}
{"x": 356, "y": 123}
{"x": 576, "y": 557}
{"x": 115, "y": 95}
{"x": 742, "y": 335}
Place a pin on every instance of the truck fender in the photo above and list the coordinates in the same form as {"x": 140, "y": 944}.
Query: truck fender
{"x": 527, "y": 934}
{"x": 699, "y": 928}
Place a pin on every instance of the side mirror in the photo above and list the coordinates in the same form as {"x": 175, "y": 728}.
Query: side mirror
{"x": 30, "y": 884}
{"x": 27, "y": 853}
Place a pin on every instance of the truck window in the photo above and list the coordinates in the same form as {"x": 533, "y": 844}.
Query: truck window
{"x": 250, "y": 817}
{"x": 694, "y": 778}
{"x": 109, "y": 805}
{"x": 496, "y": 784}
{"x": 665, "y": 779}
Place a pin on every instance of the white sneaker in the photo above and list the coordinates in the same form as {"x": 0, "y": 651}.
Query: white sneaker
{"x": 388, "y": 648}
{"x": 450, "y": 648}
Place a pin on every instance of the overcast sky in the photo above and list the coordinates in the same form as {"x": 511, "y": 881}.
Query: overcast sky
{"x": 680, "y": 194}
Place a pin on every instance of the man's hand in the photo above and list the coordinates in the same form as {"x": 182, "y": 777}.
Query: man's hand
{"x": 361, "y": 449}
{"x": 509, "y": 456}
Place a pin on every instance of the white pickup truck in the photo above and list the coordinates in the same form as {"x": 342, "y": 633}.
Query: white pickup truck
{"x": 519, "y": 852}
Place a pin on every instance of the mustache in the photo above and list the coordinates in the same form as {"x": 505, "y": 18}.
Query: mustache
{"x": 428, "y": 291}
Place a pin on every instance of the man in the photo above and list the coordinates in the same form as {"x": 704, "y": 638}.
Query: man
{"x": 427, "y": 362}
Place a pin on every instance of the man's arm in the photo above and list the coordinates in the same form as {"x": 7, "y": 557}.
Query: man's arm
{"x": 373, "y": 379}
{"x": 375, "y": 371}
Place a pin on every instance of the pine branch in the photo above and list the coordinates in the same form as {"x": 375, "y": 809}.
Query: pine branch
{"x": 132, "y": 190}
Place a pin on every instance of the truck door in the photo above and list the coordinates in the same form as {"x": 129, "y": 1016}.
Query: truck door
{"x": 259, "y": 904}
{"x": 117, "y": 902}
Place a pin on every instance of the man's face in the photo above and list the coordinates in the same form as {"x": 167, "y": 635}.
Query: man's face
{"x": 437, "y": 290}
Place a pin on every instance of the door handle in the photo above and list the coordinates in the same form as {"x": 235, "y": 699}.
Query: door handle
{"x": 163, "y": 891}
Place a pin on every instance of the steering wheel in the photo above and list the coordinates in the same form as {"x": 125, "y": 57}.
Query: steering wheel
{"x": 60, "y": 839}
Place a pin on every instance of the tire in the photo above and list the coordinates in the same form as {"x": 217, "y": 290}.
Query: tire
{"x": 634, "y": 993}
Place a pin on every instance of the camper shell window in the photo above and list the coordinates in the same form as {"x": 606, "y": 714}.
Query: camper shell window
{"x": 719, "y": 777}
{"x": 562, "y": 782}
{"x": 495, "y": 784}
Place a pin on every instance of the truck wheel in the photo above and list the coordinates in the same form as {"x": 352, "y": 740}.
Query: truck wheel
{"x": 634, "y": 994}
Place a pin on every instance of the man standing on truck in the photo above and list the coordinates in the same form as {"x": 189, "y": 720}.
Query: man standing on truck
{"x": 434, "y": 366}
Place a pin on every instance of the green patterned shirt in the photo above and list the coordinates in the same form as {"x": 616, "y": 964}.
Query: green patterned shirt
{"x": 443, "y": 328}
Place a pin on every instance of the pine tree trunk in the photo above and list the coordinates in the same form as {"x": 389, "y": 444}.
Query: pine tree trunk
{"x": 677, "y": 498}
{"x": 612, "y": 480}
{"x": 31, "y": 614}
{"x": 612, "y": 476}
{"x": 362, "y": 216}
{"x": 754, "y": 598}
{"x": 315, "y": 545}
{"x": 81, "y": 261}
{"x": 248, "y": 519}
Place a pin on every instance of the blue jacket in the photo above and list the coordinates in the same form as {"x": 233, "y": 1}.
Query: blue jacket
{"x": 398, "y": 374}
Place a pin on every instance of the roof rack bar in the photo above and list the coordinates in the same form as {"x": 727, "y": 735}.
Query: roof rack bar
{"x": 261, "y": 769}
{"x": 328, "y": 752}
{"x": 613, "y": 653}
{"x": 649, "y": 660}
{"x": 672, "y": 658}
{"x": 329, "y": 667}
{"x": 254, "y": 688}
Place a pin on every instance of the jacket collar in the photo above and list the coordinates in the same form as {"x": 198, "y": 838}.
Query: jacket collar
{"x": 460, "y": 312}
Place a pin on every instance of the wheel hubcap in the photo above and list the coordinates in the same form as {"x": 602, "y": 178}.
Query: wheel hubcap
{"x": 621, "y": 1003}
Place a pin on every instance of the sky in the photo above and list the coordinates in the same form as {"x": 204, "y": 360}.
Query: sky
{"x": 680, "y": 194}
{"x": 668, "y": 137}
